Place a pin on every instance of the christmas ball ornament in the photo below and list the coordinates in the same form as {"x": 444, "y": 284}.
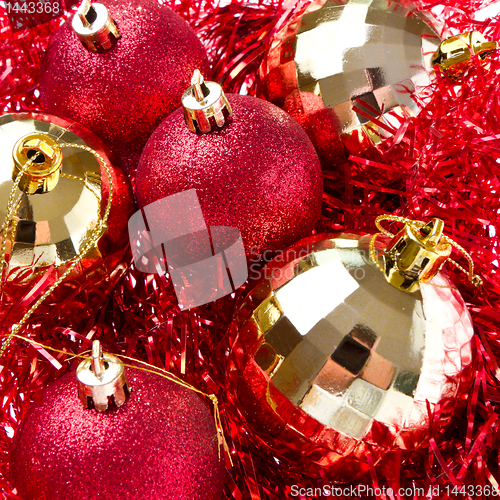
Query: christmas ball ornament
{"x": 70, "y": 207}
{"x": 346, "y": 70}
{"x": 334, "y": 356}
{"x": 118, "y": 68}
{"x": 156, "y": 441}
{"x": 252, "y": 166}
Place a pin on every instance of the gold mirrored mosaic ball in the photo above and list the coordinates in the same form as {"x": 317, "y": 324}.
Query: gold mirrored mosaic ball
{"x": 330, "y": 361}
{"x": 61, "y": 195}
{"x": 346, "y": 71}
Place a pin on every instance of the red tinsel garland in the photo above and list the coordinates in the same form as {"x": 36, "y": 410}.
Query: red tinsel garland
{"x": 444, "y": 163}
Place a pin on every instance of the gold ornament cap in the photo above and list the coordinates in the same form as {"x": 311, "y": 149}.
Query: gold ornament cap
{"x": 56, "y": 213}
{"x": 205, "y": 105}
{"x": 454, "y": 54}
{"x": 95, "y": 27}
{"x": 415, "y": 255}
{"x": 100, "y": 378}
{"x": 39, "y": 157}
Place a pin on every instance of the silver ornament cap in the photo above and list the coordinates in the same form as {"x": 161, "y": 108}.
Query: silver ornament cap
{"x": 95, "y": 27}
{"x": 100, "y": 378}
{"x": 205, "y": 105}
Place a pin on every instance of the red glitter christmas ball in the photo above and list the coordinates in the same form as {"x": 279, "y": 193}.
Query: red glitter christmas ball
{"x": 122, "y": 93}
{"x": 161, "y": 444}
{"x": 258, "y": 173}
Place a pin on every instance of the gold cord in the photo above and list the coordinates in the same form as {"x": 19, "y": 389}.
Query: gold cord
{"x": 373, "y": 253}
{"x": 98, "y": 231}
{"x": 416, "y": 225}
{"x": 96, "y": 234}
{"x": 155, "y": 371}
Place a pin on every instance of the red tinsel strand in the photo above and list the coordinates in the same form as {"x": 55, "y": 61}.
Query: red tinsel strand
{"x": 21, "y": 58}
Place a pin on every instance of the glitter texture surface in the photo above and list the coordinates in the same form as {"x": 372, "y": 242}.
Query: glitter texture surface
{"x": 258, "y": 173}
{"x": 123, "y": 94}
{"x": 161, "y": 444}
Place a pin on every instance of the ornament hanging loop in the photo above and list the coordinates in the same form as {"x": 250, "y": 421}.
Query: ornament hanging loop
{"x": 97, "y": 361}
{"x": 200, "y": 90}
{"x": 417, "y": 253}
{"x": 455, "y": 53}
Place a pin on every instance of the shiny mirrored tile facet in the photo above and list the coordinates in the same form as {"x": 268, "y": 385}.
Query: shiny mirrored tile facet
{"x": 334, "y": 379}
{"x": 321, "y": 404}
{"x": 350, "y": 422}
{"x": 351, "y": 355}
{"x": 364, "y": 397}
{"x": 378, "y": 371}
{"x": 406, "y": 382}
